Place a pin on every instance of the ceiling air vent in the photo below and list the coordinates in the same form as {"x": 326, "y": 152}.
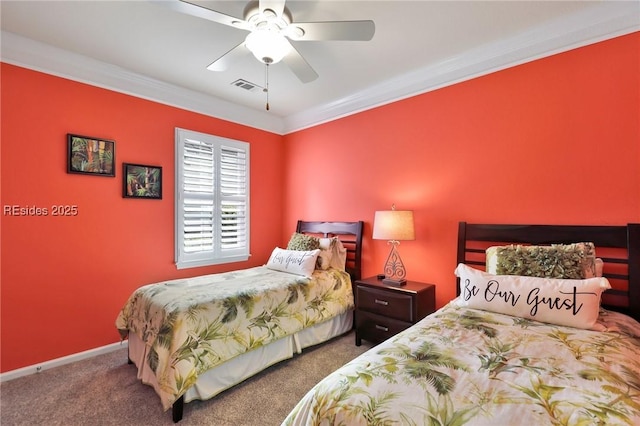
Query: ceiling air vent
{"x": 247, "y": 85}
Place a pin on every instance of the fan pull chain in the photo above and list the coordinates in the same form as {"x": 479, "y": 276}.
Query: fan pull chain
{"x": 266, "y": 84}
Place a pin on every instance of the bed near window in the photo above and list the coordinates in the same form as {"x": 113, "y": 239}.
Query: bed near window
{"x": 193, "y": 338}
{"x": 528, "y": 349}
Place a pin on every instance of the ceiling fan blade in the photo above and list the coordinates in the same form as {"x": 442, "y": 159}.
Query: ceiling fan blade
{"x": 336, "y": 30}
{"x": 193, "y": 9}
{"x": 299, "y": 66}
{"x": 224, "y": 61}
{"x": 276, "y": 5}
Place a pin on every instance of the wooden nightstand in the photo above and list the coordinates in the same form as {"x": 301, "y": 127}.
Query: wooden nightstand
{"x": 383, "y": 310}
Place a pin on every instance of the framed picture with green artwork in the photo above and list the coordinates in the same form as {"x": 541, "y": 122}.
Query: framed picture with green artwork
{"x": 141, "y": 181}
{"x": 91, "y": 156}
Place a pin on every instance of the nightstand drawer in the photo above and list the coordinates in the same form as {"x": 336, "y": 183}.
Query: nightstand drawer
{"x": 389, "y": 304}
{"x": 377, "y": 328}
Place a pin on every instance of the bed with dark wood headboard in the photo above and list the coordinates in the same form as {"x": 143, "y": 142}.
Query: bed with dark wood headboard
{"x": 193, "y": 338}
{"x": 619, "y": 243}
{"x": 479, "y": 365}
{"x": 350, "y": 233}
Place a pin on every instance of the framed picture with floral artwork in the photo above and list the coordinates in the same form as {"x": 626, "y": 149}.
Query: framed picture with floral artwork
{"x": 91, "y": 156}
{"x": 141, "y": 181}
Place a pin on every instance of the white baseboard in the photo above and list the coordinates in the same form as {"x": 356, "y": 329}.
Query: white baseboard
{"x": 40, "y": 367}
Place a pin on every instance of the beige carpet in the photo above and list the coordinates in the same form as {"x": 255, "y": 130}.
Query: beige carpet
{"x": 104, "y": 391}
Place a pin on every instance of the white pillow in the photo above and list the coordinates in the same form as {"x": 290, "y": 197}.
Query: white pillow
{"x": 327, "y": 243}
{"x": 293, "y": 261}
{"x": 326, "y": 253}
{"x": 575, "y": 303}
{"x": 333, "y": 254}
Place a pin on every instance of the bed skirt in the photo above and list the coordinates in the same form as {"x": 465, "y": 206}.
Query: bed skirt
{"x": 240, "y": 368}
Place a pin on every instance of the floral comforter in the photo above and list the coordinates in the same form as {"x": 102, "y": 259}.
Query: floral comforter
{"x": 461, "y": 366}
{"x": 191, "y": 325}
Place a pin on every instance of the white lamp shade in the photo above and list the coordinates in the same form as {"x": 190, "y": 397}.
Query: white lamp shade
{"x": 267, "y": 46}
{"x": 393, "y": 225}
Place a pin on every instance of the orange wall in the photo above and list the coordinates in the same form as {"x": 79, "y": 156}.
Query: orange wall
{"x": 553, "y": 141}
{"x": 64, "y": 279}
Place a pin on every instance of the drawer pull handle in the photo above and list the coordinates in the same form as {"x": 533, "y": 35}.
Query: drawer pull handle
{"x": 381, "y": 302}
{"x": 381, "y": 327}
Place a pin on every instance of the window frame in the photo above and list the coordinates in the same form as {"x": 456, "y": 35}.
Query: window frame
{"x": 217, "y": 255}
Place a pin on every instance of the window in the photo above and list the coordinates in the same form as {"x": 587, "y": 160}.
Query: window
{"x": 212, "y": 199}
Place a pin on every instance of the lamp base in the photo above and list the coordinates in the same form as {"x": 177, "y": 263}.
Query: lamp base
{"x": 398, "y": 283}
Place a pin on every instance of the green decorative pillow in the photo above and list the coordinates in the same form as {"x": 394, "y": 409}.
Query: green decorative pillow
{"x": 565, "y": 261}
{"x": 302, "y": 242}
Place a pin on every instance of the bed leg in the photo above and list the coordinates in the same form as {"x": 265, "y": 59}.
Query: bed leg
{"x": 177, "y": 408}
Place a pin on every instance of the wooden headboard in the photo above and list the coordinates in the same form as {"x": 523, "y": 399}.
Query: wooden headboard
{"x": 617, "y": 246}
{"x": 350, "y": 233}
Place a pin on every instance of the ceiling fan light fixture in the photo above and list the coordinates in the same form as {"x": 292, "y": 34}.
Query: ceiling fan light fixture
{"x": 268, "y": 46}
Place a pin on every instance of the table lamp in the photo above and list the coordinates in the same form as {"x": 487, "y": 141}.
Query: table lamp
{"x": 394, "y": 226}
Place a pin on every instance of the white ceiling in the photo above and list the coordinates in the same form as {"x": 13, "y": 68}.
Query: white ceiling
{"x": 145, "y": 49}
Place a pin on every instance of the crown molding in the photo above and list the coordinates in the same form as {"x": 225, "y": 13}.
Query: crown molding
{"x": 608, "y": 20}
{"x": 31, "y": 54}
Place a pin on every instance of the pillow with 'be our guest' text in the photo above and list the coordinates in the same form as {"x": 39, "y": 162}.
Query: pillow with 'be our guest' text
{"x": 575, "y": 303}
{"x": 299, "y": 262}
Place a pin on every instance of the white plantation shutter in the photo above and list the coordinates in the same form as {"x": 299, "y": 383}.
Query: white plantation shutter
{"x": 212, "y": 199}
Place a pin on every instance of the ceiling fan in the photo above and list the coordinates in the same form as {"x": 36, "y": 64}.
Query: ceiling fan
{"x": 270, "y": 27}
